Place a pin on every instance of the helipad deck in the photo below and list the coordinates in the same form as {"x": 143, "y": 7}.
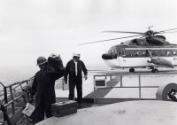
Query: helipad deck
{"x": 125, "y": 113}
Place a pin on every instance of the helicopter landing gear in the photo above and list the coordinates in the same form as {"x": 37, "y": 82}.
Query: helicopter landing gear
{"x": 131, "y": 70}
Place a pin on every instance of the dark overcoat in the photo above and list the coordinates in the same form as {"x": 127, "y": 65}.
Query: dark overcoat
{"x": 70, "y": 70}
{"x": 44, "y": 86}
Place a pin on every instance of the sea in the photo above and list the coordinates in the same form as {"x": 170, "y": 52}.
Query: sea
{"x": 17, "y": 74}
{"x": 10, "y": 75}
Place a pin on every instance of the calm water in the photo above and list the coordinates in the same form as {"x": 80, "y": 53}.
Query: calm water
{"x": 9, "y": 75}
{"x": 15, "y": 74}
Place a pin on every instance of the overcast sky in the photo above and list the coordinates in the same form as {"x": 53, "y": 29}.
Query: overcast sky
{"x": 31, "y": 28}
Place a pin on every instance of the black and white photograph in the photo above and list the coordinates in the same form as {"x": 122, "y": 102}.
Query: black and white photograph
{"x": 85, "y": 62}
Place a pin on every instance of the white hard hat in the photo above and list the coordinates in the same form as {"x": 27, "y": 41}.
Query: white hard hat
{"x": 76, "y": 55}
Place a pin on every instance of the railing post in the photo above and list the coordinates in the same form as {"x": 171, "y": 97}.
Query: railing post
{"x": 110, "y": 77}
{"x": 121, "y": 85}
{"x": 5, "y": 95}
{"x": 12, "y": 97}
{"x": 5, "y": 92}
{"x": 94, "y": 78}
{"x": 24, "y": 96}
{"x": 139, "y": 79}
{"x": 5, "y": 115}
{"x": 105, "y": 80}
{"x": 63, "y": 88}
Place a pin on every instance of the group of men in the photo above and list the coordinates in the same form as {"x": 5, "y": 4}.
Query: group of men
{"x": 43, "y": 87}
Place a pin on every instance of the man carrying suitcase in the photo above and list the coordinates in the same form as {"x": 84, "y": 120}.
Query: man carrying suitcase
{"x": 43, "y": 86}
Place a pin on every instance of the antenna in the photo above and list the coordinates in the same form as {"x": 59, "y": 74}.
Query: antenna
{"x": 150, "y": 27}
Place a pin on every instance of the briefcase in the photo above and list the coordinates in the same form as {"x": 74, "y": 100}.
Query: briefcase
{"x": 64, "y": 108}
{"x": 28, "y": 110}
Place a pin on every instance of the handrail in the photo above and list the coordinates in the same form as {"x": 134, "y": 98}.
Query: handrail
{"x": 138, "y": 75}
{"x": 11, "y": 96}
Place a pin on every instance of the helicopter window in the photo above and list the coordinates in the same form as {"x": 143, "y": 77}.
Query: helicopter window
{"x": 174, "y": 52}
{"x": 123, "y": 52}
{"x": 144, "y": 53}
{"x": 134, "y": 53}
{"x": 137, "y": 53}
{"x": 128, "y": 53}
{"x": 168, "y": 53}
{"x": 163, "y": 53}
{"x": 155, "y": 52}
{"x": 120, "y": 52}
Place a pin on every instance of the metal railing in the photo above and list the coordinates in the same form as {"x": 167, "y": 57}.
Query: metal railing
{"x": 107, "y": 77}
{"x": 13, "y": 98}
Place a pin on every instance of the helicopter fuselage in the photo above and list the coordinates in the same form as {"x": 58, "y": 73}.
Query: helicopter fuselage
{"x": 133, "y": 56}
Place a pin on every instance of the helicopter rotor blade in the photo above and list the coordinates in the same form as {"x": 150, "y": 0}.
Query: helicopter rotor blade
{"x": 109, "y": 39}
{"x": 170, "y": 32}
{"x": 165, "y": 31}
{"x": 124, "y": 32}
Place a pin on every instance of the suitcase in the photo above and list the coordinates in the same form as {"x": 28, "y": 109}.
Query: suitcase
{"x": 64, "y": 108}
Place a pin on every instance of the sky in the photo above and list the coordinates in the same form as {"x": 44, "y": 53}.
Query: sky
{"x": 33, "y": 28}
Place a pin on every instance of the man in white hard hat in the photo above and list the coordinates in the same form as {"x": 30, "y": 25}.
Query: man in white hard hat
{"x": 74, "y": 69}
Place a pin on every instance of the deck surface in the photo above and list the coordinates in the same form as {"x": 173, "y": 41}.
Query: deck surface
{"x": 125, "y": 113}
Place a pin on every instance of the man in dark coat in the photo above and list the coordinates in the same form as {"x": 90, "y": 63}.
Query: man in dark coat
{"x": 44, "y": 89}
{"x": 74, "y": 69}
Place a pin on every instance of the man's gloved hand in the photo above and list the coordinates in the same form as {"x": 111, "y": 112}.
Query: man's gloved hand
{"x": 85, "y": 77}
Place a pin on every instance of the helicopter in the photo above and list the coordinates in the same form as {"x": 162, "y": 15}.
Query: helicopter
{"x": 148, "y": 49}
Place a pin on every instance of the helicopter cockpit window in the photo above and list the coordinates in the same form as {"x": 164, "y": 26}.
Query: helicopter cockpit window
{"x": 110, "y": 51}
{"x": 113, "y": 52}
